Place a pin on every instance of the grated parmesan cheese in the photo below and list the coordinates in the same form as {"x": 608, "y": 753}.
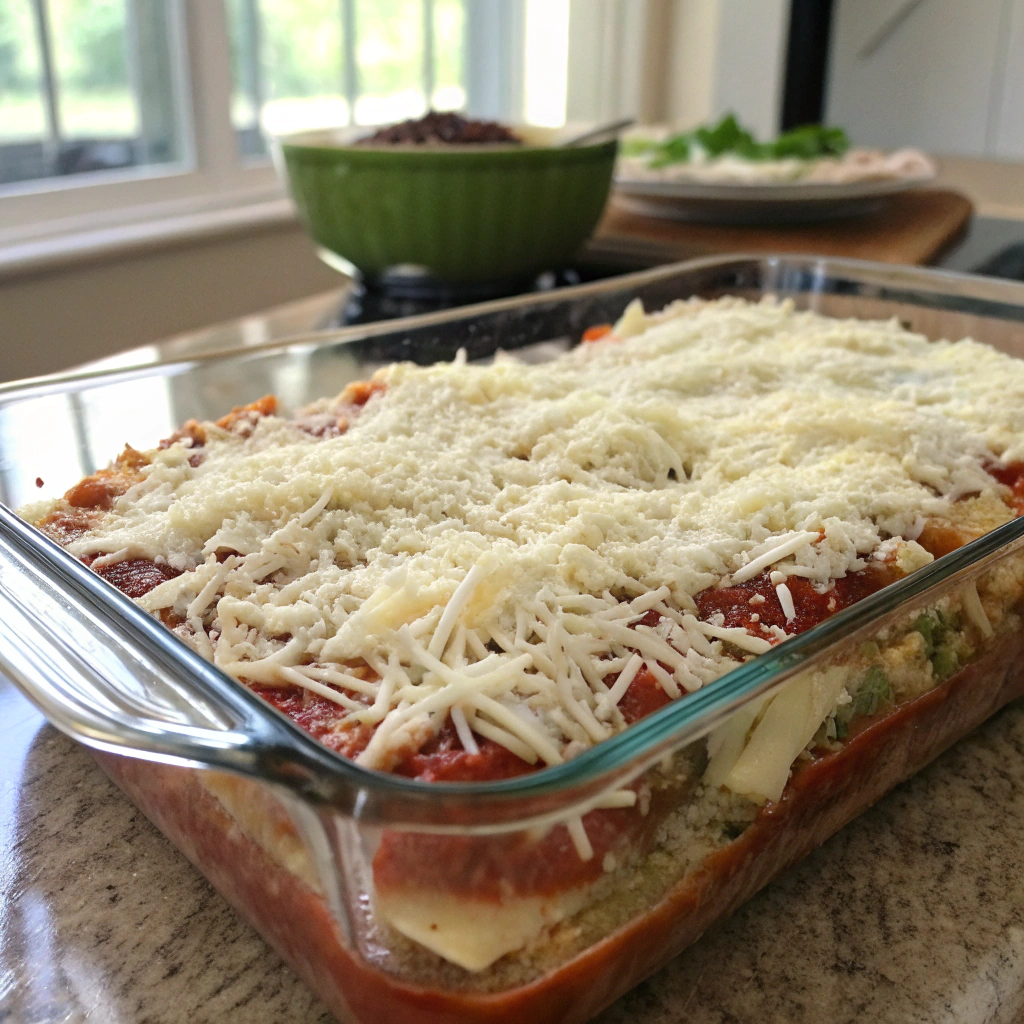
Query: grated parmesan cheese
{"x": 484, "y": 541}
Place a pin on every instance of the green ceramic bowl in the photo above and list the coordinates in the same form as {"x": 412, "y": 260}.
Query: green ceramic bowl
{"x": 457, "y": 214}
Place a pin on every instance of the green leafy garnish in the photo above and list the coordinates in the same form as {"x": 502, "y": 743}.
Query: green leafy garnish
{"x": 675, "y": 150}
{"x": 873, "y": 693}
{"x": 727, "y": 137}
{"x": 811, "y": 141}
{"x": 807, "y": 142}
{"x": 639, "y": 146}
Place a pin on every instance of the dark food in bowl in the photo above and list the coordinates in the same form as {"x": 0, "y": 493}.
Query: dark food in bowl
{"x": 446, "y": 127}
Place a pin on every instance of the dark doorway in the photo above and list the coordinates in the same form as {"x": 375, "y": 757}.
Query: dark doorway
{"x": 803, "y": 92}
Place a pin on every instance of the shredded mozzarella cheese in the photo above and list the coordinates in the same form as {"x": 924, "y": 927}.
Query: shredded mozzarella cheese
{"x": 484, "y": 542}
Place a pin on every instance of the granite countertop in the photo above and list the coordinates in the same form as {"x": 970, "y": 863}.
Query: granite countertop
{"x": 915, "y": 912}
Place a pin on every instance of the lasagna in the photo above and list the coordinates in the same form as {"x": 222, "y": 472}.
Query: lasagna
{"x": 470, "y": 572}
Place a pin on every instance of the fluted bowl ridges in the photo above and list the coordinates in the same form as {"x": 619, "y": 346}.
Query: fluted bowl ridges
{"x": 463, "y": 213}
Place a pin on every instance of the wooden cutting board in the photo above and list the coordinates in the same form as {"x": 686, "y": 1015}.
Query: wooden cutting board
{"x": 913, "y": 227}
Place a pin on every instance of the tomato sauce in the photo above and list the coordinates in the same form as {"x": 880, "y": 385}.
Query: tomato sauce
{"x": 243, "y": 418}
{"x": 193, "y": 430}
{"x": 359, "y": 392}
{"x": 644, "y": 696}
{"x": 67, "y": 525}
{"x": 597, "y": 332}
{"x": 136, "y": 577}
{"x": 338, "y": 418}
{"x": 99, "y": 490}
{"x": 939, "y": 536}
{"x": 319, "y": 717}
{"x": 739, "y": 605}
{"x": 1011, "y": 476}
{"x": 443, "y": 759}
{"x": 493, "y": 867}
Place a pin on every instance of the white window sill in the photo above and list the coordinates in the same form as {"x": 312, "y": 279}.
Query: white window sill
{"x": 161, "y": 229}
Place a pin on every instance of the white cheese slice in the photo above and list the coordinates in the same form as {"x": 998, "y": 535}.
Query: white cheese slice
{"x": 726, "y": 743}
{"x": 472, "y": 933}
{"x": 788, "y": 723}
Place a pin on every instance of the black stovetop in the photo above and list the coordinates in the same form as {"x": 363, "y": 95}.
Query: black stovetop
{"x": 368, "y": 303}
{"x": 991, "y": 246}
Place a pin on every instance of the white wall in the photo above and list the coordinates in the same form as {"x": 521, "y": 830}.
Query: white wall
{"x": 54, "y": 319}
{"x": 607, "y": 58}
{"x": 694, "y": 62}
{"x": 728, "y": 55}
{"x": 945, "y": 75}
{"x": 1009, "y": 125}
{"x": 677, "y": 61}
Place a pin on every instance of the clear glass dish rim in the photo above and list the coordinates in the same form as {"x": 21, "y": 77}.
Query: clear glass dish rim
{"x": 961, "y": 292}
{"x": 627, "y": 753}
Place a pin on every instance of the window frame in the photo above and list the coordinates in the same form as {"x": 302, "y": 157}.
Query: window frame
{"x": 215, "y": 187}
{"x": 212, "y": 175}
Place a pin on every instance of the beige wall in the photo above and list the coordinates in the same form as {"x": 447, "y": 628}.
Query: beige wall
{"x": 53, "y": 319}
{"x": 727, "y": 55}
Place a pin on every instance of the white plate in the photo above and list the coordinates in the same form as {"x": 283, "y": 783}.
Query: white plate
{"x": 741, "y": 203}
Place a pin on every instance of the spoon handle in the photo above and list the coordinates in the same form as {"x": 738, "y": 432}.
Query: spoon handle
{"x": 596, "y": 134}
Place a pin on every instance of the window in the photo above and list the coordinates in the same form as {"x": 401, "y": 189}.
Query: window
{"x": 131, "y": 119}
{"x": 86, "y": 85}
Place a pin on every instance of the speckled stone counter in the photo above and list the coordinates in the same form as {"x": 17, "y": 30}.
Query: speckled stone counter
{"x": 915, "y": 912}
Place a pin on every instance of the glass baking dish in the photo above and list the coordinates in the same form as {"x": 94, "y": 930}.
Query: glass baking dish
{"x": 612, "y": 862}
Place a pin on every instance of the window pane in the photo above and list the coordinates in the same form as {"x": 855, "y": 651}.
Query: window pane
{"x": 288, "y": 59}
{"x": 246, "y": 74}
{"x": 90, "y": 43}
{"x": 22, "y": 114}
{"x": 302, "y": 55}
{"x": 449, "y": 46}
{"x": 546, "y": 61}
{"x": 92, "y": 83}
{"x": 287, "y": 63}
{"x": 390, "y": 52}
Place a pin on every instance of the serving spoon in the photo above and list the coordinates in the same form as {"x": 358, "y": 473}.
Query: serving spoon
{"x": 596, "y": 134}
